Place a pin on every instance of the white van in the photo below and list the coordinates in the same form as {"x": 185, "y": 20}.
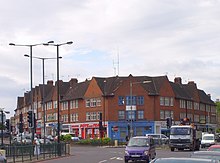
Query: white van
{"x": 159, "y": 137}
{"x": 207, "y": 140}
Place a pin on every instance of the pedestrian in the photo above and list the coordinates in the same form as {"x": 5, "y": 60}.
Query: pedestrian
{"x": 36, "y": 146}
{"x": 127, "y": 139}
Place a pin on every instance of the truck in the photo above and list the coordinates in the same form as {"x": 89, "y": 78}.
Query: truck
{"x": 185, "y": 137}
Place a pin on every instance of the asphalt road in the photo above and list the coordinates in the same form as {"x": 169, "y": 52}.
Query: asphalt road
{"x": 90, "y": 154}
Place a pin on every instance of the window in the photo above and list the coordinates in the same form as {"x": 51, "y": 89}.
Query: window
{"x": 49, "y": 105}
{"x": 140, "y": 114}
{"x": 140, "y": 100}
{"x": 65, "y": 105}
{"x": 166, "y": 101}
{"x": 92, "y": 102}
{"x": 196, "y": 118}
{"x": 196, "y": 106}
{"x": 73, "y": 104}
{"x": 189, "y": 104}
{"x": 121, "y": 115}
{"x": 182, "y": 104}
{"x": 202, "y": 107}
{"x": 87, "y": 103}
{"x": 121, "y": 100}
{"x": 165, "y": 114}
{"x": 131, "y": 115}
{"x": 162, "y": 114}
{"x": 171, "y": 101}
{"x": 87, "y": 116}
{"x": 65, "y": 118}
{"x": 55, "y": 104}
{"x": 74, "y": 117}
{"x": 98, "y": 101}
{"x": 128, "y": 100}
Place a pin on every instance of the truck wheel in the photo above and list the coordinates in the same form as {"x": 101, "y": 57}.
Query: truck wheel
{"x": 172, "y": 149}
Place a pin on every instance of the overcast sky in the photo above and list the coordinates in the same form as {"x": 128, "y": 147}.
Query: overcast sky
{"x": 177, "y": 38}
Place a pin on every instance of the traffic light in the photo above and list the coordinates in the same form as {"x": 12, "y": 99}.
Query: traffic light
{"x": 30, "y": 118}
{"x": 7, "y": 125}
{"x": 21, "y": 130}
{"x": 100, "y": 121}
{"x": 169, "y": 122}
{"x": 21, "y": 117}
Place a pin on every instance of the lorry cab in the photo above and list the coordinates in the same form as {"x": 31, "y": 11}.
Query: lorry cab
{"x": 140, "y": 148}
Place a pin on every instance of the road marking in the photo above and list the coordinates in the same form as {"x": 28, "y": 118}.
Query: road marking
{"x": 102, "y": 161}
{"x": 112, "y": 158}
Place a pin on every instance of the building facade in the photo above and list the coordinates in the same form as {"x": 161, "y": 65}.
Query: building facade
{"x": 132, "y": 105}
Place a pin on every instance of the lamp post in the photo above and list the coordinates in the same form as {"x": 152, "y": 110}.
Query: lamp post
{"x": 131, "y": 103}
{"x": 43, "y": 94}
{"x": 58, "y": 92}
{"x": 2, "y": 122}
{"x": 31, "y": 76}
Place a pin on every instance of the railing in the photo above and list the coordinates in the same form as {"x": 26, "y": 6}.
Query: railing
{"x": 23, "y": 153}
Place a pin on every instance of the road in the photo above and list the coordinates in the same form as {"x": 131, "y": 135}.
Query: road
{"x": 90, "y": 154}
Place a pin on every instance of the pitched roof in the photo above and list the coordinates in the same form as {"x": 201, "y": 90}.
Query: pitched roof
{"x": 76, "y": 91}
{"x": 180, "y": 91}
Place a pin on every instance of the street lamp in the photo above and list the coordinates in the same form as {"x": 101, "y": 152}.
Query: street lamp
{"x": 43, "y": 94}
{"x": 131, "y": 103}
{"x": 31, "y": 77}
{"x": 2, "y": 121}
{"x": 58, "y": 92}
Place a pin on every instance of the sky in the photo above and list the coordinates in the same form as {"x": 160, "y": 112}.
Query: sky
{"x": 177, "y": 38}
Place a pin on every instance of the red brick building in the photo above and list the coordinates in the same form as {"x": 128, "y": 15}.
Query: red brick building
{"x": 135, "y": 105}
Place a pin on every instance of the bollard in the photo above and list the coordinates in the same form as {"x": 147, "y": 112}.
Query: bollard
{"x": 116, "y": 143}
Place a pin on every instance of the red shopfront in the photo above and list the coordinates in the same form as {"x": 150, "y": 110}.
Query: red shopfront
{"x": 89, "y": 131}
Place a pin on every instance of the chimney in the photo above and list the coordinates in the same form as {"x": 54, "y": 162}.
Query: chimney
{"x": 50, "y": 82}
{"x": 73, "y": 81}
{"x": 60, "y": 82}
{"x": 178, "y": 80}
{"x": 209, "y": 95}
{"x": 192, "y": 83}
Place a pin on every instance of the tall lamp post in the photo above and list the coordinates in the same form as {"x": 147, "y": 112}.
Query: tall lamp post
{"x": 43, "y": 94}
{"x": 131, "y": 103}
{"x": 58, "y": 92}
{"x": 31, "y": 76}
{"x": 2, "y": 122}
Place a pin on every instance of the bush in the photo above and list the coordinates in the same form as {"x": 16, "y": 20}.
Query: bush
{"x": 103, "y": 141}
{"x": 66, "y": 138}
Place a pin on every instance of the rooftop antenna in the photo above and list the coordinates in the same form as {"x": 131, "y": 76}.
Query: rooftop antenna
{"x": 116, "y": 63}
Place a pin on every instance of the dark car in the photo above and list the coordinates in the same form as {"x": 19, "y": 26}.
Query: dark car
{"x": 140, "y": 148}
{"x": 183, "y": 160}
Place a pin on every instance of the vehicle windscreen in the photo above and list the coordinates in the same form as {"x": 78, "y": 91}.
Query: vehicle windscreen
{"x": 138, "y": 142}
{"x": 180, "y": 131}
{"x": 208, "y": 138}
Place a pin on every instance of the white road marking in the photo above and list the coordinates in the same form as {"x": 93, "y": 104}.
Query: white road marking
{"x": 102, "y": 161}
{"x": 112, "y": 158}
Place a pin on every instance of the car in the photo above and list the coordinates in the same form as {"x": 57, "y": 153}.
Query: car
{"x": 207, "y": 140}
{"x": 140, "y": 148}
{"x": 159, "y": 138}
{"x": 75, "y": 138}
{"x": 206, "y": 154}
{"x": 183, "y": 160}
{"x": 214, "y": 148}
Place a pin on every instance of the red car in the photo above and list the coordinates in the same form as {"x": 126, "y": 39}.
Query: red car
{"x": 214, "y": 148}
